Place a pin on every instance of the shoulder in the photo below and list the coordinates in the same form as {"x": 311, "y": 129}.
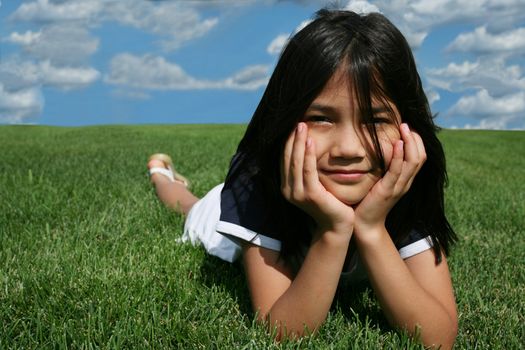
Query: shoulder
{"x": 414, "y": 243}
{"x": 245, "y": 210}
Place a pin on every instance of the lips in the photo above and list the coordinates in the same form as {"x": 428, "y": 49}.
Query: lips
{"x": 344, "y": 175}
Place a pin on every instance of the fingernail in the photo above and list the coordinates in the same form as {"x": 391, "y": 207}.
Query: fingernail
{"x": 300, "y": 127}
{"x": 405, "y": 128}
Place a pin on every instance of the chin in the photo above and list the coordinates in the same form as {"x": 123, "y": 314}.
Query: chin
{"x": 350, "y": 195}
{"x": 350, "y": 200}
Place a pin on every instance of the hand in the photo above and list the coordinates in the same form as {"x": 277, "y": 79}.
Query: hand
{"x": 300, "y": 185}
{"x": 408, "y": 157}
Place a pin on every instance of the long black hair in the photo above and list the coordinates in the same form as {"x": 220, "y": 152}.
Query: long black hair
{"x": 379, "y": 63}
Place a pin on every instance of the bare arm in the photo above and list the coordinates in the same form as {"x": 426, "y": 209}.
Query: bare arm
{"x": 415, "y": 293}
{"x": 291, "y": 303}
{"x": 295, "y": 305}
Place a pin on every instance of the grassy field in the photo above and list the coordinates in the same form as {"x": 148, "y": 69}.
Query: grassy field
{"x": 89, "y": 259}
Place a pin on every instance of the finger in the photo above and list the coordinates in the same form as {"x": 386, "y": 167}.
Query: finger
{"x": 396, "y": 166}
{"x": 412, "y": 166}
{"x": 411, "y": 149}
{"x": 297, "y": 160}
{"x": 421, "y": 150}
{"x": 310, "y": 175}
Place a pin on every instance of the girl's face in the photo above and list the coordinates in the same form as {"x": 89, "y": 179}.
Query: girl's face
{"x": 346, "y": 161}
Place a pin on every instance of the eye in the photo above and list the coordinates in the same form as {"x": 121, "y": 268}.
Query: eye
{"x": 317, "y": 119}
{"x": 378, "y": 119}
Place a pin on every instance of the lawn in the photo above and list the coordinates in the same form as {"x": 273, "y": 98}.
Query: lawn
{"x": 89, "y": 257}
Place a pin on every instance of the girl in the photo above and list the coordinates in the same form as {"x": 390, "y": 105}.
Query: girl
{"x": 339, "y": 178}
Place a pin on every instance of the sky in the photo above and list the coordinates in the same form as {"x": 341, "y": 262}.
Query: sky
{"x": 93, "y": 62}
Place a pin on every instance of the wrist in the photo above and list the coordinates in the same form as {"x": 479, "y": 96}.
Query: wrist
{"x": 339, "y": 236}
{"x": 370, "y": 234}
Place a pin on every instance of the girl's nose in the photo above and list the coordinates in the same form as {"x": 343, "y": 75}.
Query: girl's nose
{"x": 347, "y": 143}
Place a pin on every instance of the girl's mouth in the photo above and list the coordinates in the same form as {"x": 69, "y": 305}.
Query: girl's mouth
{"x": 345, "y": 175}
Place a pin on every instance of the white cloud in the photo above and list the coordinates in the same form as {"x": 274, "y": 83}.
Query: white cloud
{"x": 17, "y": 106}
{"x": 493, "y": 112}
{"x": 484, "y": 42}
{"x": 155, "y": 73}
{"x": 248, "y": 78}
{"x": 280, "y": 41}
{"x": 27, "y": 38}
{"x": 361, "y": 6}
{"x": 490, "y": 74}
{"x": 416, "y": 19}
{"x": 24, "y": 75}
{"x": 67, "y": 78}
{"x": 49, "y": 11}
{"x": 497, "y": 123}
{"x": 432, "y": 95}
{"x": 482, "y": 104}
{"x": 277, "y": 44}
{"x": 176, "y": 22}
{"x": 149, "y": 72}
{"x": 64, "y": 44}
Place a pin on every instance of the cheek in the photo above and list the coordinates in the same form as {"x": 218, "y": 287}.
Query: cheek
{"x": 320, "y": 145}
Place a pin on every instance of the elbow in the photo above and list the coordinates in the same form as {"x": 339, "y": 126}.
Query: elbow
{"x": 453, "y": 333}
{"x": 444, "y": 340}
{"x": 280, "y": 331}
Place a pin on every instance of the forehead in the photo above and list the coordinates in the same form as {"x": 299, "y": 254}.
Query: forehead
{"x": 339, "y": 95}
{"x": 340, "y": 89}
{"x": 337, "y": 89}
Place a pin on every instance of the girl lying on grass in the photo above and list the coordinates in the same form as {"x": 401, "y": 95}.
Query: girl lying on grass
{"x": 338, "y": 178}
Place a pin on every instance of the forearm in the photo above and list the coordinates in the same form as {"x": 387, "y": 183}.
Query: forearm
{"x": 306, "y": 303}
{"x": 406, "y": 304}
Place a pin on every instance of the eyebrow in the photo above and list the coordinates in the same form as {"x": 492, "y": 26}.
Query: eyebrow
{"x": 329, "y": 109}
{"x": 322, "y": 108}
{"x": 378, "y": 110}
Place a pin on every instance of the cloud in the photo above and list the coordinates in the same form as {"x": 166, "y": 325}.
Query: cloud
{"x": 277, "y": 44}
{"x": 27, "y": 38}
{"x": 51, "y": 11}
{"x": 490, "y": 74}
{"x": 493, "y": 112}
{"x": 64, "y": 44}
{"x": 67, "y": 78}
{"x": 481, "y": 41}
{"x": 361, "y": 6}
{"x": 416, "y": 19}
{"x": 17, "y": 75}
{"x": 482, "y": 104}
{"x": 176, "y": 22}
{"x": 248, "y": 78}
{"x": 18, "y": 106}
{"x": 432, "y": 95}
{"x": 155, "y": 73}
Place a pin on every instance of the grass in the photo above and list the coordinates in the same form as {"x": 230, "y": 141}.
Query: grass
{"x": 89, "y": 257}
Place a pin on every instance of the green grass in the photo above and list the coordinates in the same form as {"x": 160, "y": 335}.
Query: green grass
{"x": 89, "y": 259}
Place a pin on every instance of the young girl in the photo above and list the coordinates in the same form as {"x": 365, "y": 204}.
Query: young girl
{"x": 338, "y": 178}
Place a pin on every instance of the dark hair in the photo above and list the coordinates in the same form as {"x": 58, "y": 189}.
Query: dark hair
{"x": 379, "y": 63}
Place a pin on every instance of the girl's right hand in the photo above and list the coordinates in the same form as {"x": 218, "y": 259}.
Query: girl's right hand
{"x": 300, "y": 185}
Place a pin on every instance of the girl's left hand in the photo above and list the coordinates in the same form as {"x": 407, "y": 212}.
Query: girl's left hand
{"x": 408, "y": 157}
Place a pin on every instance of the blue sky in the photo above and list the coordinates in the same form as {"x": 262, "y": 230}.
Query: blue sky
{"x": 85, "y": 62}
